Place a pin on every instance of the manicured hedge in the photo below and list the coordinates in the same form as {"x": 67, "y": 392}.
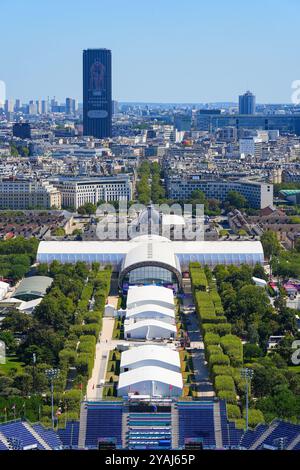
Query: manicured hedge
{"x": 90, "y": 322}
{"x": 88, "y": 339}
{"x": 86, "y": 348}
{"x": 240, "y": 383}
{"x": 219, "y": 359}
{"x": 223, "y": 351}
{"x": 233, "y": 412}
{"x": 217, "y": 301}
{"x": 212, "y": 350}
{"x": 72, "y": 399}
{"x": 67, "y": 357}
{"x": 198, "y": 277}
{"x": 240, "y": 423}
{"x": 233, "y": 347}
{"x": 211, "y": 338}
{"x": 255, "y": 417}
{"x": 206, "y": 309}
{"x": 225, "y": 383}
{"x": 86, "y": 295}
{"x": 95, "y": 316}
{"x": 222, "y": 370}
{"x": 230, "y": 397}
{"x": 84, "y": 364}
{"x": 220, "y": 328}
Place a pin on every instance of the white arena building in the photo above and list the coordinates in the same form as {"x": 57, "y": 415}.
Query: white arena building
{"x": 151, "y": 259}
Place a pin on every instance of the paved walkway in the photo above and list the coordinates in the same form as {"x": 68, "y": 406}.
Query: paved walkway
{"x": 103, "y": 347}
{"x": 203, "y": 382}
{"x": 113, "y": 300}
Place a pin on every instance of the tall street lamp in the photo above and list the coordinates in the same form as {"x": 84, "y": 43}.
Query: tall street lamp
{"x": 247, "y": 374}
{"x": 51, "y": 375}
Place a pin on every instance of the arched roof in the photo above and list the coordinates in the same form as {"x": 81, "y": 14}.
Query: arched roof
{"x": 150, "y": 373}
{"x": 33, "y": 287}
{"x": 149, "y": 238}
{"x": 150, "y": 352}
{"x": 143, "y": 295}
{"x": 148, "y": 322}
{"x": 150, "y": 309}
{"x": 150, "y": 253}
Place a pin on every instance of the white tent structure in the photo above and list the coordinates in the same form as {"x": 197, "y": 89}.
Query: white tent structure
{"x": 150, "y": 310}
{"x": 148, "y": 329}
{"x": 154, "y": 295}
{"x": 150, "y": 355}
{"x": 170, "y": 252}
{"x": 150, "y": 380}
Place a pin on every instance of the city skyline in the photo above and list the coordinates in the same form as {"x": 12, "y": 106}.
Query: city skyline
{"x": 151, "y": 62}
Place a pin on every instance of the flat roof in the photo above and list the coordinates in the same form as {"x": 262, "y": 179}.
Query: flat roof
{"x": 122, "y": 247}
{"x": 223, "y": 247}
{"x": 150, "y": 373}
{"x": 150, "y": 352}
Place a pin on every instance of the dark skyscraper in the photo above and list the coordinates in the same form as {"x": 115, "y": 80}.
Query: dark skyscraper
{"x": 22, "y": 130}
{"x": 247, "y": 103}
{"x": 97, "y": 100}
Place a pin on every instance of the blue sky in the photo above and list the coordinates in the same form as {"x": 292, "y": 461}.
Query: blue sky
{"x": 163, "y": 50}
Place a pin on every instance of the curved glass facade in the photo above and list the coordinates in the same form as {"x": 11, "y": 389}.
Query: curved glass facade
{"x": 150, "y": 275}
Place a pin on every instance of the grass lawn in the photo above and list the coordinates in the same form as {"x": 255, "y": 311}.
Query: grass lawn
{"x": 11, "y": 363}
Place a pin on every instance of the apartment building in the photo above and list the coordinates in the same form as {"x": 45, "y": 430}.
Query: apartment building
{"x": 27, "y": 194}
{"x": 259, "y": 195}
{"x": 76, "y": 192}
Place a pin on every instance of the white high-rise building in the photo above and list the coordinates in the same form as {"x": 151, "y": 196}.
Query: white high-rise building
{"x": 251, "y": 146}
{"x": 76, "y": 192}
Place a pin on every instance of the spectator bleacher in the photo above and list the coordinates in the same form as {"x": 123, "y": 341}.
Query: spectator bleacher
{"x": 104, "y": 421}
{"x": 252, "y": 435}
{"x": 3, "y": 446}
{"x": 149, "y": 430}
{"x": 69, "y": 435}
{"x": 196, "y": 420}
{"x": 282, "y": 436}
{"x": 29, "y": 436}
{"x": 49, "y": 436}
{"x": 231, "y": 436}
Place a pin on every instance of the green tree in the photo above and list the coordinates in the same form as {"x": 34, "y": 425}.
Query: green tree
{"x": 259, "y": 272}
{"x": 88, "y": 208}
{"x": 270, "y": 244}
{"x": 59, "y": 232}
{"x": 236, "y": 199}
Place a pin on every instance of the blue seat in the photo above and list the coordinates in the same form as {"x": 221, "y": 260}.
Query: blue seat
{"x": 16, "y": 429}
